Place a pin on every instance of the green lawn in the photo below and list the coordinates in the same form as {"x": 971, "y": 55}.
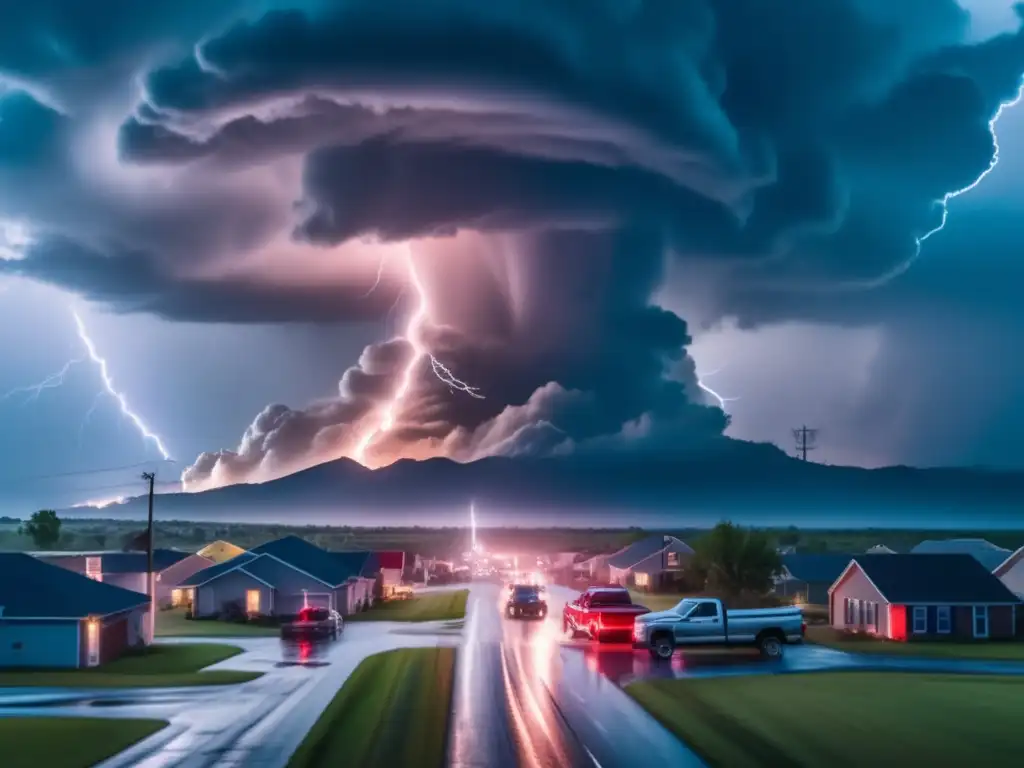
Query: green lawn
{"x": 68, "y": 742}
{"x": 392, "y": 711}
{"x": 432, "y": 606}
{"x": 842, "y": 719}
{"x": 1007, "y": 650}
{"x": 158, "y": 665}
{"x": 174, "y": 624}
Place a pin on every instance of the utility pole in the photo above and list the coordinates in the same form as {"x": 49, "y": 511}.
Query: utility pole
{"x": 805, "y": 441}
{"x": 150, "y": 477}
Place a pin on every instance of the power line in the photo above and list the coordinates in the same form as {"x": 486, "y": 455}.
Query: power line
{"x": 97, "y": 471}
{"x": 805, "y": 440}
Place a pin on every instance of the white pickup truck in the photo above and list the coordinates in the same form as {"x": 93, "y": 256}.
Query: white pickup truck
{"x": 706, "y": 621}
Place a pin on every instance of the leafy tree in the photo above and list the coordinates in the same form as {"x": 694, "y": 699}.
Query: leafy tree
{"x": 43, "y": 528}
{"x": 736, "y": 560}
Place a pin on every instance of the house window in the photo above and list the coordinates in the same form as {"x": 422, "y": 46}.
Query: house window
{"x": 981, "y": 621}
{"x": 252, "y": 601}
{"x": 642, "y": 579}
{"x": 876, "y": 617}
{"x": 860, "y": 613}
{"x": 871, "y": 614}
{"x": 94, "y": 568}
{"x": 943, "y": 620}
{"x": 672, "y": 559}
{"x": 920, "y": 619}
{"x": 92, "y": 642}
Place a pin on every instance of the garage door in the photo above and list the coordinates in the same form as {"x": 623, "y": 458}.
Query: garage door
{"x": 38, "y": 645}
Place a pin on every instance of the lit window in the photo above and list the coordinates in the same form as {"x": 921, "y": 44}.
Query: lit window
{"x": 943, "y": 620}
{"x": 252, "y": 601}
{"x": 920, "y": 619}
{"x": 981, "y": 621}
{"x": 642, "y": 579}
{"x": 672, "y": 559}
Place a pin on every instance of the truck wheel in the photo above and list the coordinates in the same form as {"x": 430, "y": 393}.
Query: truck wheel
{"x": 770, "y": 647}
{"x": 662, "y": 647}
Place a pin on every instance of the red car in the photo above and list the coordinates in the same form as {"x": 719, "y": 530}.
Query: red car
{"x": 604, "y": 614}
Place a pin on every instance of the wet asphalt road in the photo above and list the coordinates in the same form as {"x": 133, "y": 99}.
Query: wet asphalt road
{"x": 526, "y": 697}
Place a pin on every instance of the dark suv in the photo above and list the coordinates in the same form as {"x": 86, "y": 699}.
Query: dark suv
{"x": 525, "y": 600}
{"x": 314, "y": 623}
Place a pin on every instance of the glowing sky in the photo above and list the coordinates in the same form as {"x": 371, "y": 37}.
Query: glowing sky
{"x": 599, "y": 199}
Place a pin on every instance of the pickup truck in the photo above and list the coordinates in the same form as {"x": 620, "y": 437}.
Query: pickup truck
{"x": 602, "y": 613}
{"x": 698, "y": 622}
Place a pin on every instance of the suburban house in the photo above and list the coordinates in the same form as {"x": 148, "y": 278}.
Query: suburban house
{"x": 985, "y": 552}
{"x": 880, "y": 549}
{"x": 1011, "y": 573}
{"x": 806, "y": 578}
{"x": 907, "y": 597}
{"x": 128, "y": 569}
{"x": 219, "y": 551}
{"x": 651, "y": 563}
{"x": 57, "y": 618}
{"x": 596, "y": 568}
{"x": 279, "y": 578}
{"x": 391, "y": 566}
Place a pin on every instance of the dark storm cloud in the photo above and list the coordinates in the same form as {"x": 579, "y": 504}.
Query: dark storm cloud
{"x": 798, "y": 147}
{"x": 135, "y": 282}
{"x": 786, "y": 120}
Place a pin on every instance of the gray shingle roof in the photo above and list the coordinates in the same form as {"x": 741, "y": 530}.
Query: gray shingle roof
{"x": 638, "y": 551}
{"x": 318, "y": 563}
{"x": 816, "y": 568}
{"x": 30, "y": 588}
{"x": 205, "y": 575}
{"x": 934, "y": 578}
{"x": 985, "y": 552}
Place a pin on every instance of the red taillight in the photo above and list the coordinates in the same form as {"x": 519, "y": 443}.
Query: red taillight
{"x": 803, "y": 628}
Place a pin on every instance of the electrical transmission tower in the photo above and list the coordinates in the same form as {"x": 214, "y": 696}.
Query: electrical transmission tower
{"x": 805, "y": 440}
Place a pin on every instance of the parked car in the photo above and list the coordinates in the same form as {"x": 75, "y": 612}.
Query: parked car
{"x": 312, "y": 623}
{"x": 524, "y": 600}
{"x": 698, "y": 622}
{"x": 604, "y": 614}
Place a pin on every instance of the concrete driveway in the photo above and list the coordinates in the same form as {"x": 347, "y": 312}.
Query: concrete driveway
{"x": 257, "y": 723}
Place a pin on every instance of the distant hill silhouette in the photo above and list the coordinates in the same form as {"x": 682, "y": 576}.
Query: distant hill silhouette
{"x": 746, "y": 482}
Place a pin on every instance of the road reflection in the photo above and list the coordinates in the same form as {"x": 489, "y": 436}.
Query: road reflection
{"x": 305, "y": 652}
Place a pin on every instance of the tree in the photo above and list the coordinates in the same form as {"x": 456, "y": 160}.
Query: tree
{"x": 736, "y": 560}
{"x": 790, "y": 537}
{"x": 43, "y": 528}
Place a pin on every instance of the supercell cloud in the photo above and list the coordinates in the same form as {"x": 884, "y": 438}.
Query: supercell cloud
{"x": 545, "y": 163}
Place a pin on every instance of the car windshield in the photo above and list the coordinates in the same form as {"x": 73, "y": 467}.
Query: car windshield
{"x": 524, "y": 593}
{"x": 685, "y": 606}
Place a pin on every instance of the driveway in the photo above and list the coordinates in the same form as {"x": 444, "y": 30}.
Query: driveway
{"x": 257, "y": 723}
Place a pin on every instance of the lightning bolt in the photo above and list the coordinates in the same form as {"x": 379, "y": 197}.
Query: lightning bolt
{"x": 50, "y": 382}
{"x": 108, "y": 387}
{"x": 943, "y": 202}
{"x": 719, "y": 398}
{"x": 412, "y": 334}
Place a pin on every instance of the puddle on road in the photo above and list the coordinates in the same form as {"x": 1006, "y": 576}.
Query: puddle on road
{"x": 302, "y": 664}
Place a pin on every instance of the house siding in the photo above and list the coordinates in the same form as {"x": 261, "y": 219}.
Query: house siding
{"x": 1013, "y": 578}
{"x": 857, "y": 586}
{"x": 212, "y": 597}
{"x": 292, "y": 589}
{"x": 28, "y": 644}
{"x": 1000, "y": 623}
{"x": 171, "y": 577}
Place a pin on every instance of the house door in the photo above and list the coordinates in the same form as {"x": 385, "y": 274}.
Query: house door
{"x": 981, "y": 621}
{"x": 92, "y": 643}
